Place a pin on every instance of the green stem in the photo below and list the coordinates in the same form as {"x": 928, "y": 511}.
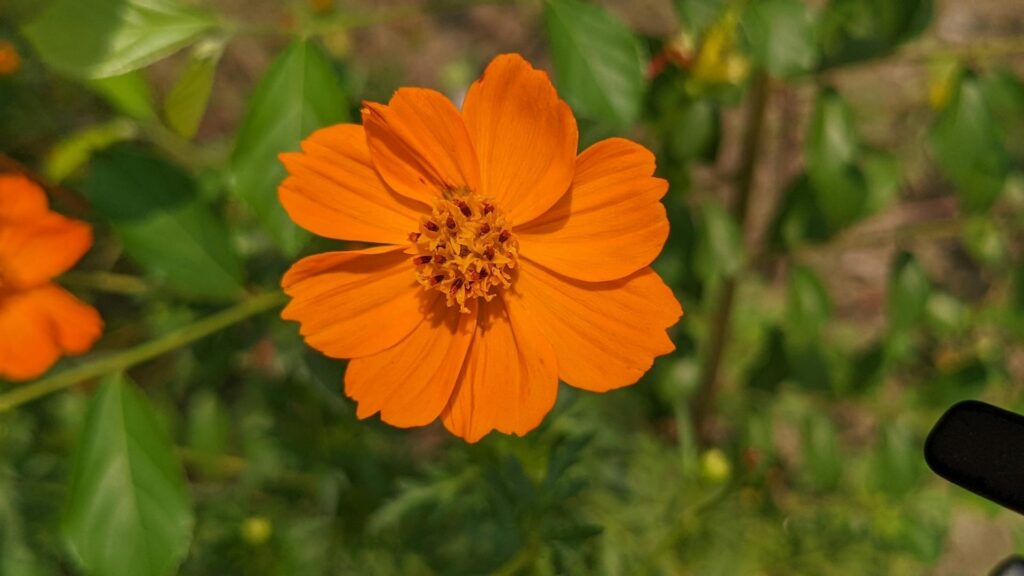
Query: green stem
{"x": 127, "y": 358}
{"x": 108, "y": 282}
{"x": 704, "y": 402}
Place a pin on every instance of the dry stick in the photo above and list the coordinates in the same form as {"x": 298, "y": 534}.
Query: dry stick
{"x": 147, "y": 351}
{"x": 704, "y": 401}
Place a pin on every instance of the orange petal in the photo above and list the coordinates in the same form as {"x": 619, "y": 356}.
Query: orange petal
{"x": 610, "y": 224}
{"x": 355, "y": 303}
{"x": 411, "y": 382}
{"x": 20, "y": 198}
{"x": 419, "y": 144}
{"x": 334, "y": 191}
{"x": 40, "y": 324}
{"x": 604, "y": 334}
{"x": 510, "y": 380}
{"x": 36, "y": 250}
{"x": 524, "y": 135}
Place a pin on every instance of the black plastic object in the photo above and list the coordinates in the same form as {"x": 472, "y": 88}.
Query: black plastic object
{"x": 1012, "y": 566}
{"x": 981, "y": 448}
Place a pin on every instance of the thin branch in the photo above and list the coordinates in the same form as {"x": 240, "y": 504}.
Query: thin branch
{"x": 704, "y": 402}
{"x": 125, "y": 359}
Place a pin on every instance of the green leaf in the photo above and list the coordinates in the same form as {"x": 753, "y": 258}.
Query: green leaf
{"x": 97, "y": 38}
{"x": 833, "y": 150}
{"x": 1004, "y": 94}
{"x": 823, "y": 466}
{"x": 76, "y": 149}
{"x": 807, "y": 305}
{"x": 128, "y": 510}
{"x": 721, "y": 244}
{"x": 698, "y": 15}
{"x": 599, "y": 63}
{"x": 166, "y": 230}
{"x": 909, "y": 289}
{"x": 799, "y": 218}
{"x": 968, "y": 149}
{"x": 299, "y": 94}
{"x": 128, "y": 93}
{"x": 186, "y": 103}
{"x": 855, "y": 30}
{"x": 693, "y": 129}
{"x": 782, "y": 36}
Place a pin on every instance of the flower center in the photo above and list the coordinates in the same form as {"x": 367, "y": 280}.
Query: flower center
{"x": 465, "y": 249}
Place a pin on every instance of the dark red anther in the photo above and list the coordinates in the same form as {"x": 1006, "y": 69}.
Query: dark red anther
{"x": 439, "y": 259}
{"x": 414, "y": 236}
{"x": 464, "y": 251}
{"x": 464, "y": 208}
{"x": 488, "y": 208}
{"x": 435, "y": 280}
{"x": 482, "y": 274}
{"x": 485, "y": 228}
{"x": 450, "y": 222}
{"x": 456, "y": 285}
{"x": 489, "y": 253}
{"x": 503, "y": 236}
{"x": 420, "y": 260}
{"x": 430, "y": 225}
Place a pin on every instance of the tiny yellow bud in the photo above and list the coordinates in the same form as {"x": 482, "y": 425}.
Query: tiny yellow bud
{"x": 256, "y": 530}
{"x": 714, "y": 466}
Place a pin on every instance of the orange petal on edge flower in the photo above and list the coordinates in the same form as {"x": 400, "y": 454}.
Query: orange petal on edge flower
{"x": 604, "y": 334}
{"x": 524, "y": 135}
{"x": 610, "y": 224}
{"x": 20, "y": 198}
{"x": 40, "y": 324}
{"x": 35, "y": 250}
{"x": 510, "y": 380}
{"x": 419, "y": 144}
{"x": 411, "y": 382}
{"x": 355, "y": 303}
{"x": 334, "y": 191}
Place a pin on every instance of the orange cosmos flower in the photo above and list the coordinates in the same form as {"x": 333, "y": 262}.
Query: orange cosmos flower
{"x": 506, "y": 261}
{"x": 39, "y": 321}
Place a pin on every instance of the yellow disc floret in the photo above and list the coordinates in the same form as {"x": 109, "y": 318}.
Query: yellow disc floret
{"x": 465, "y": 249}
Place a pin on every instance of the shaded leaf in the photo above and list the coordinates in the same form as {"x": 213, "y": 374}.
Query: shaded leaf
{"x": 166, "y": 230}
{"x": 128, "y": 508}
{"x": 97, "y": 38}
{"x": 721, "y": 250}
{"x": 967, "y": 147}
{"x": 299, "y": 94}
{"x": 855, "y": 30}
{"x": 599, "y": 63}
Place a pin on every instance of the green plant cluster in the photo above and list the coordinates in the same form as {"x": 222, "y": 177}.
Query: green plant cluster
{"x": 784, "y": 436}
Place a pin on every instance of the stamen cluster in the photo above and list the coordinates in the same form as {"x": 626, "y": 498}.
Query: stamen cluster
{"x": 465, "y": 249}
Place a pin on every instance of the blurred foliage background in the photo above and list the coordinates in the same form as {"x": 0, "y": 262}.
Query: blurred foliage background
{"x": 847, "y": 207}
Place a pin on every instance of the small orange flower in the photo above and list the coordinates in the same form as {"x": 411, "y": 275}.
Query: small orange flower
{"x": 10, "y": 61}
{"x": 39, "y": 321}
{"x": 506, "y": 261}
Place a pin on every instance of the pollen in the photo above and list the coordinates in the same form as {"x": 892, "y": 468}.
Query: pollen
{"x": 465, "y": 249}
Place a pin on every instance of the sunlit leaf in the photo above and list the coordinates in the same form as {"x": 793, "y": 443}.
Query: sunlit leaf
{"x": 128, "y": 93}
{"x": 165, "y": 228}
{"x": 782, "y": 36}
{"x": 967, "y": 147}
{"x": 75, "y": 150}
{"x": 299, "y": 93}
{"x": 128, "y": 510}
{"x": 833, "y": 150}
{"x": 599, "y": 63}
{"x": 186, "y": 103}
{"x": 97, "y": 38}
